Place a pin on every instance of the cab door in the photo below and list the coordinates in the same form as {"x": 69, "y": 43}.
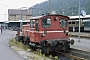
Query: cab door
{"x": 32, "y": 30}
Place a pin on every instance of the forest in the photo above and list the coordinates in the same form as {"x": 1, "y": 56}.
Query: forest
{"x": 64, "y": 7}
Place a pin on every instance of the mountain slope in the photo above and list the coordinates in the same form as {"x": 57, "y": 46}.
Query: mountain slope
{"x": 66, "y": 7}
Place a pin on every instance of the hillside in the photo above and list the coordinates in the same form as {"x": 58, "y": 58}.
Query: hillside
{"x": 66, "y": 7}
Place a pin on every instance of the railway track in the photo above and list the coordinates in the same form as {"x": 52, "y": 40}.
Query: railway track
{"x": 80, "y": 53}
{"x": 74, "y": 54}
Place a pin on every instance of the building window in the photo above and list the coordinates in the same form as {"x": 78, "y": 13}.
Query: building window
{"x": 69, "y": 22}
{"x": 12, "y": 19}
{"x": 18, "y": 18}
{"x": 23, "y": 18}
{"x": 73, "y": 22}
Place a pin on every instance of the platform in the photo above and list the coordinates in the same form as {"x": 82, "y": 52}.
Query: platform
{"x": 82, "y": 34}
{"x": 84, "y": 44}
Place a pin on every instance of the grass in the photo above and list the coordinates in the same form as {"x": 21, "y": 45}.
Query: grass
{"x": 13, "y": 42}
{"x": 20, "y": 45}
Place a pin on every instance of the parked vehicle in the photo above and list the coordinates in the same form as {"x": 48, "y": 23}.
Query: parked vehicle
{"x": 50, "y": 33}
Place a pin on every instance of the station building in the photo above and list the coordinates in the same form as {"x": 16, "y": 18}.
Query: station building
{"x": 15, "y": 16}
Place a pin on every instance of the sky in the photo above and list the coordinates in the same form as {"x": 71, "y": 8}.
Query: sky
{"x": 14, "y": 4}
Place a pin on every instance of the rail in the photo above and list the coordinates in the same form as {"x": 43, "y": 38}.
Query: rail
{"x": 74, "y": 54}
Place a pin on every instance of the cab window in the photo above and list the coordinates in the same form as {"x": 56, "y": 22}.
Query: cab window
{"x": 63, "y": 23}
{"x": 46, "y": 22}
{"x": 32, "y": 22}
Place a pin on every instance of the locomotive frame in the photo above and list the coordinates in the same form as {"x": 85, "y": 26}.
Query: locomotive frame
{"x": 50, "y": 33}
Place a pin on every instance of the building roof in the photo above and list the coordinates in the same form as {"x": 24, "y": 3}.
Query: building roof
{"x": 18, "y": 12}
{"x": 77, "y": 17}
{"x": 36, "y": 17}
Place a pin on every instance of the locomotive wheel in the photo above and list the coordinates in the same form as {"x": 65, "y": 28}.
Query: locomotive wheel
{"x": 66, "y": 48}
{"x": 26, "y": 40}
{"x": 21, "y": 39}
{"x": 45, "y": 50}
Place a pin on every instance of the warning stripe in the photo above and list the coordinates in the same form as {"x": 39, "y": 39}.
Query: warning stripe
{"x": 47, "y": 31}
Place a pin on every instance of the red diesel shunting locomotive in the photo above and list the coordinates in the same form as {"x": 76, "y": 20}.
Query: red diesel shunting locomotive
{"x": 49, "y": 32}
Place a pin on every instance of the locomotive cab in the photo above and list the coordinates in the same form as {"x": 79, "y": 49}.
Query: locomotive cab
{"x": 50, "y": 33}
